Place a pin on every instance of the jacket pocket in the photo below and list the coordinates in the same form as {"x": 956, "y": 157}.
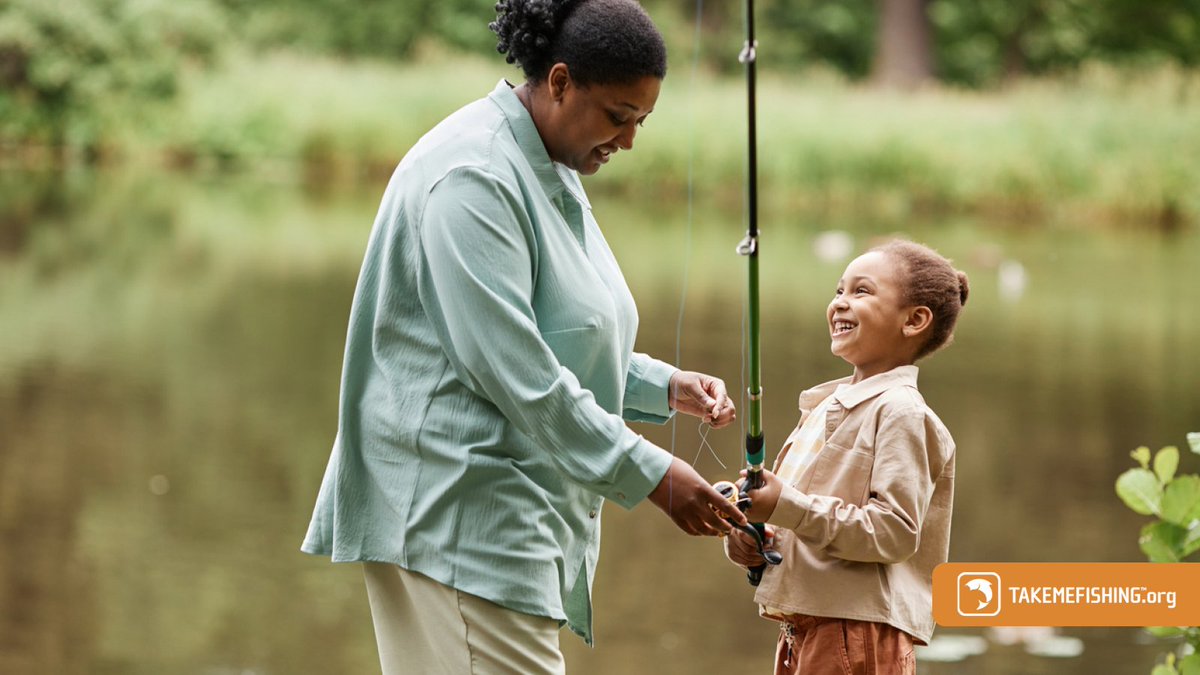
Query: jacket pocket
{"x": 842, "y": 473}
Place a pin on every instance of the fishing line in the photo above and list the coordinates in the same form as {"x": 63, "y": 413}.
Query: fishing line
{"x": 688, "y": 225}
{"x": 703, "y": 430}
{"x": 745, "y": 391}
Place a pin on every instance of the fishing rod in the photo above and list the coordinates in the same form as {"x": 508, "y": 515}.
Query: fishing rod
{"x": 755, "y": 454}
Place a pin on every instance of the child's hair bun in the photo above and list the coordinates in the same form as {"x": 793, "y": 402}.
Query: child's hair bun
{"x": 928, "y": 279}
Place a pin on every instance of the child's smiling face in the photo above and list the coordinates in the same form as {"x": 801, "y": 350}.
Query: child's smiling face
{"x": 869, "y": 325}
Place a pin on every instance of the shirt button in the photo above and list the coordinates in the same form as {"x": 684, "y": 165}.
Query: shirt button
{"x": 621, "y": 496}
{"x": 591, "y": 514}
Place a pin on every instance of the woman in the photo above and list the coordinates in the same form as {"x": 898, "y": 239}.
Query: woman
{"x": 489, "y": 363}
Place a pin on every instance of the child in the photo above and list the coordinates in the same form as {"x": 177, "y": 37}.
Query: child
{"x": 859, "y": 504}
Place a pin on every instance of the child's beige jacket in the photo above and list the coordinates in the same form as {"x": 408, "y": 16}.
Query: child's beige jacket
{"x": 869, "y": 518}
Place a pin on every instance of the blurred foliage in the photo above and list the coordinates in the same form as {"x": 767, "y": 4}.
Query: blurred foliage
{"x": 976, "y": 42}
{"x": 985, "y": 41}
{"x": 802, "y": 32}
{"x": 1159, "y": 490}
{"x": 68, "y": 68}
{"x": 383, "y": 28}
{"x": 1106, "y": 147}
{"x": 62, "y": 62}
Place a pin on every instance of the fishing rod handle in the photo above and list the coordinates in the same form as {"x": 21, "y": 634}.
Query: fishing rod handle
{"x": 756, "y": 531}
{"x": 754, "y": 480}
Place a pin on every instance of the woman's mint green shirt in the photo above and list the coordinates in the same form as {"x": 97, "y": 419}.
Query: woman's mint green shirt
{"x": 489, "y": 363}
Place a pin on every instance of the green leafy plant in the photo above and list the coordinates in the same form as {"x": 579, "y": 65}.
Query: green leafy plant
{"x": 1156, "y": 489}
{"x": 63, "y": 63}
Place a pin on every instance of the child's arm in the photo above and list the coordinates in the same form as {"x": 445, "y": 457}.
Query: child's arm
{"x": 910, "y": 454}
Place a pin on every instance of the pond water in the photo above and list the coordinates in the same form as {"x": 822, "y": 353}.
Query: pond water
{"x": 170, "y": 349}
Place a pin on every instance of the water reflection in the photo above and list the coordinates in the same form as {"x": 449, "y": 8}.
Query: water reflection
{"x": 169, "y": 360}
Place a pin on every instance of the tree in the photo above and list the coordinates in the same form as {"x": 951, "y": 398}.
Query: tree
{"x": 830, "y": 32}
{"x": 904, "y": 44}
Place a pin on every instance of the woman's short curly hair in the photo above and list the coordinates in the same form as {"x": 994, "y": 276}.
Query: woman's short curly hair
{"x": 930, "y": 280}
{"x": 600, "y": 41}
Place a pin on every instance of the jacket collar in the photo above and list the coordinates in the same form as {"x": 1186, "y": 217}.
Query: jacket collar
{"x": 530, "y": 142}
{"x": 851, "y": 395}
{"x": 903, "y": 376}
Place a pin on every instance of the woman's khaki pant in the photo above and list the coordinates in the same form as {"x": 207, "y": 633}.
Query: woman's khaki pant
{"x": 426, "y": 628}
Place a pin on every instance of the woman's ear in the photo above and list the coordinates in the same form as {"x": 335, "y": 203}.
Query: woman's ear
{"x": 559, "y": 81}
{"x": 918, "y": 320}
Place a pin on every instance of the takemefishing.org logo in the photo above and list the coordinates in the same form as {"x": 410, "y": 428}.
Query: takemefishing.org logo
{"x": 979, "y": 594}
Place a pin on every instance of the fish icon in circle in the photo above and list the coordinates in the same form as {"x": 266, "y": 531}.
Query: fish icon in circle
{"x": 984, "y": 587}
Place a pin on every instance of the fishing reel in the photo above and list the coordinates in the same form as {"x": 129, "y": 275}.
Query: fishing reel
{"x": 741, "y": 500}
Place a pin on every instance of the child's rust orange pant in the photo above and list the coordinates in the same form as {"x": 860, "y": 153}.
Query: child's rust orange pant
{"x": 812, "y": 645}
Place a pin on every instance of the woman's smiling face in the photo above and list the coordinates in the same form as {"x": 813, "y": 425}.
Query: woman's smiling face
{"x": 591, "y": 123}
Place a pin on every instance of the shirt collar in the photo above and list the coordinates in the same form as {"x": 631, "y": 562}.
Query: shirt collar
{"x": 854, "y": 394}
{"x": 528, "y": 139}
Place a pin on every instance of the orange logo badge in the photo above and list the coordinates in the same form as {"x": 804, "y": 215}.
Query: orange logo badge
{"x": 979, "y": 594}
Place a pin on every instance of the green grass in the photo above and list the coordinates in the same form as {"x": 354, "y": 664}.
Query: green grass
{"x": 1101, "y": 147}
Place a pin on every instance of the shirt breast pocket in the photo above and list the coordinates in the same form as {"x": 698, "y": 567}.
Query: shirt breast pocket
{"x": 841, "y": 472}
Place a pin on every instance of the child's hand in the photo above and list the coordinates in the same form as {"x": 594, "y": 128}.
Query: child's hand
{"x": 764, "y": 499}
{"x": 741, "y": 549}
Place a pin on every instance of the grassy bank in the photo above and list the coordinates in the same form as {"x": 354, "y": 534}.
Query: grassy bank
{"x": 1101, "y": 147}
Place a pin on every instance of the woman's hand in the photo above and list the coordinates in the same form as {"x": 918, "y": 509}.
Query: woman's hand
{"x": 741, "y": 549}
{"x": 694, "y": 505}
{"x": 764, "y": 499}
{"x": 702, "y": 396}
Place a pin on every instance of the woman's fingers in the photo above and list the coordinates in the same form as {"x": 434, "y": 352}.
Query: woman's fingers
{"x": 702, "y": 396}
{"x": 726, "y": 510}
{"x": 722, "y": 414}
{"x": 692, "y": 504}
{"x": 716, "y": 399}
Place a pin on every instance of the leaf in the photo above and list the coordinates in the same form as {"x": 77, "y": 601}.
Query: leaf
{"x": 1140, "y": 491}
{"x": 1181, "y": 500}
{"x": 1165, "y": 464}
{"x": 1142, "y": 456}
{"x": 1190, "y": 665}
{"x": 1162, "y": 541}
{"x": 1194, "y": 441}
{"x": 1191, "y": 541}
{"x": 1164, "y": 669}
{"x": 1165, "y": 631}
